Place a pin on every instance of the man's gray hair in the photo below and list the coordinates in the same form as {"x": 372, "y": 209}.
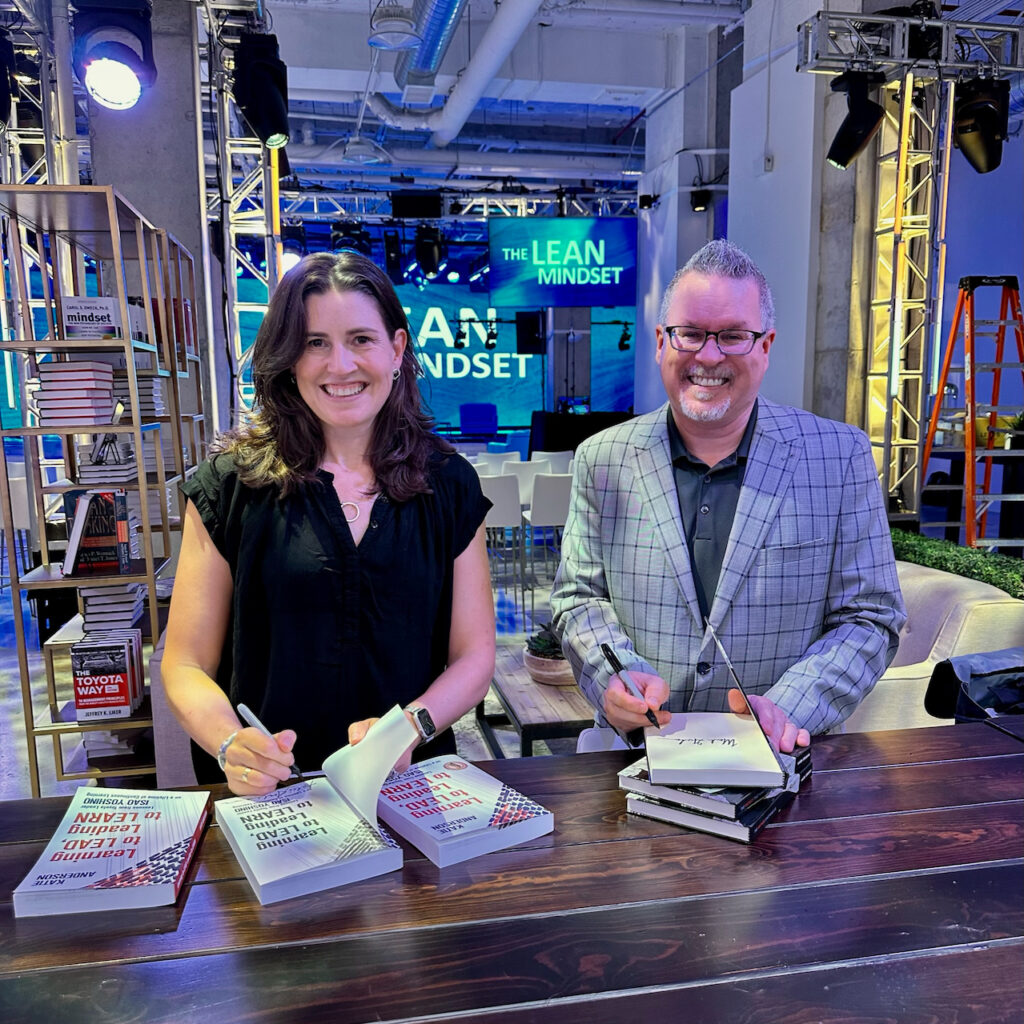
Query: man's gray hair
{"x": 721, "y": 258}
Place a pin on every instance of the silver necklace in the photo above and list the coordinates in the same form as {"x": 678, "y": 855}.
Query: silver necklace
{"x": 356, "y": 505}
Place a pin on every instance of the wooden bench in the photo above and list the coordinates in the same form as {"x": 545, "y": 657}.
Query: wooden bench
{"x": 535, "y": 710}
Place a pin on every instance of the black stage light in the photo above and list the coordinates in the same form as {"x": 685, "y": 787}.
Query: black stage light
{"x": 8, "y": 86}
{"x": 429, "y": 250}
{"x": 461, "y": 335}
{"x": 491, "y": 341}
{"x": 863, "y": 117}
{"x": 261, "y": 88}
{"x": 700, "y": 199}
{"x": 113, "y": 54}
{"x": 393, "y": 256}
{"x": 624, "y": 338}
{"x": 645, "y": 200}
{"x": 293, "y": 245}
{"x": 981, "y": 113}
{"x": 351, "y": 236}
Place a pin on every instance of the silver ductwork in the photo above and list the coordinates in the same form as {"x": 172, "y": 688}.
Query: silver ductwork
{"x": 416, "y": 69}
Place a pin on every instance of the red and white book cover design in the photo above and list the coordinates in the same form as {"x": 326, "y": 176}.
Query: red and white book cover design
{"x": 452, "y": 810}
{"x": 115, "y": 848}
{"x": 102, "y": 672}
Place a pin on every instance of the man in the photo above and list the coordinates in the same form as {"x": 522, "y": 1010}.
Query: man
{"x": 725, "y": 508}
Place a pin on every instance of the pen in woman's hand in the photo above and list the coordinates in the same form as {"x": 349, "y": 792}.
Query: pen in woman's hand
{"x": 251, "y": 719}
{"x": 627, "y": 680}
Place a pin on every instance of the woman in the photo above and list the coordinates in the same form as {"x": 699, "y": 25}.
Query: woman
{"x": 333, "y": 560}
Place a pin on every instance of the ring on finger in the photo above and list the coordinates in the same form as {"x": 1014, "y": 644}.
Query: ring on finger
{"x": 245, "y": 775}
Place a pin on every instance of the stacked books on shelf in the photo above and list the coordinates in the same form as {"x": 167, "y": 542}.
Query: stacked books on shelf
{"x": 735, "y": 809}
{"x": 115, "y": 849}
{"x": 108, "y": 675}
{"x": 323, "y": 832}
{"x": 72, "y": 392}
{"x": 100, "y": 533}
{"x": 151, "y": 399}
{"x": 118, "y": 606}
{"x": 100, "y": 744}
{"x": 108, "y": 460}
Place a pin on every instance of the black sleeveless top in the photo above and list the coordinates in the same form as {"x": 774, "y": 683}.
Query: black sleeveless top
{"x": 323, "y": 633}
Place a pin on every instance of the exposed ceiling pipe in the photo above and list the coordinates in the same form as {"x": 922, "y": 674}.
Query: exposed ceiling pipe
{"x": 509, "y": 23}
{"x": 436, "y": 21}
{"x": 672, "y": 12}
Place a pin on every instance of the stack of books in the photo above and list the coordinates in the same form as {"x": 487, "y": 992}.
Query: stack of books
{"x": 739, "y": 813}
{"x": 110, "y": 459}
{"x": 115, "y": 607}
{"x": 108, "y": 675}
{"x": 100, "y": 743}
{"x": 74, "y": 392}
{"x": 151, "y": 399}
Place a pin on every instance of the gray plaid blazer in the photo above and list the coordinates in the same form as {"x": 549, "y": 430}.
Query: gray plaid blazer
{"x": 808, "y": 603}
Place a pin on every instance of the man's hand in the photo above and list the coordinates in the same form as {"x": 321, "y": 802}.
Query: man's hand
{"x": 625, "y": 711}
{"x": 782, "y": 733}
{"x": 255, "y": 763}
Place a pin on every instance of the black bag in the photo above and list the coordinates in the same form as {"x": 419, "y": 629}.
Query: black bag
{"x": 977, "y": 686}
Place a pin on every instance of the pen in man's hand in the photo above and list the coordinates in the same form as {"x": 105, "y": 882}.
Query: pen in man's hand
{"x": 252, "y": 720}
{"x": 627, "y": 681}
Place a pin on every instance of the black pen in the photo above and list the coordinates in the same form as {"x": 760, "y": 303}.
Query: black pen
{"x": 627, "y": 681}
{"x": 252, "y": 720}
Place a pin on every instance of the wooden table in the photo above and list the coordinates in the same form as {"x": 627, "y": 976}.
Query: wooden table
{"x": 535, "y": 710}
{"x": 891, "y": 890}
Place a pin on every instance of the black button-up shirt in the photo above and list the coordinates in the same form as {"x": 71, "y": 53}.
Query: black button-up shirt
{"x": 707, "y": 503}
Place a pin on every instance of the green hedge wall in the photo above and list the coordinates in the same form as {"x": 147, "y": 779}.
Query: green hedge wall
{"x": 1001, "y": 571}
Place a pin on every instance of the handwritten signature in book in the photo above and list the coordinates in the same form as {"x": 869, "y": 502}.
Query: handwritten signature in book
{"x": 701, "y": 741}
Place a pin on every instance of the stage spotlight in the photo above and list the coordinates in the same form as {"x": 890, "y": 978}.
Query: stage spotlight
{"x": 348, "y": 235}
{"x": 624, "y": 338}
{"x": 700, "y": 199}
{"x": 8, "y": 85}
{"x": 480, "y": 266}
{"x": 261, "y": 88}
{"x": 113, "y": 54}
{"x": 453, "y": 276}
{"x": 393, "y": 256}
{"x": 293, "y": 245}
{"x": 429, "y": 250}
{"x": 460, "y": 335}
{"x": 981, "y": 114}
{"x": 863, "y": 117}
{"x": 491, "y": 341}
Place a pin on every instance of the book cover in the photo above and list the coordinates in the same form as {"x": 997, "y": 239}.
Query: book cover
{"x": 115, "y": 849}
{"x": 102, "y": 673}
{"x": 717, "y": 800}
{"x": 104, "y": 544}
{"x": 323, "y": 832}
{"x": 711, "y": 749}
{"x": 453, "y": 811}
{"x": 744, "y": 828}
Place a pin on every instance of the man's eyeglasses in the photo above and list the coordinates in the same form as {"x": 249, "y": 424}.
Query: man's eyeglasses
{"x": 730, "y": 342}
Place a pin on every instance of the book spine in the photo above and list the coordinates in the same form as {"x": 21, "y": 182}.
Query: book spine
{"x": 124, "y": 549}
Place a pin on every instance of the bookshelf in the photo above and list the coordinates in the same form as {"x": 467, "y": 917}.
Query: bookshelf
{"x": 63, "y": 243}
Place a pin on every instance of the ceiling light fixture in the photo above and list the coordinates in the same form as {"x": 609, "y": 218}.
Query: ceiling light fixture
{"x": 261, "y": 88}
{"x": 358, "y": 149}
{"x": 393, "y": 27}
{"x": 863, "y": 117}
{"x": 700, "y": 199}
{"x": 113, "y": 52}
{"x": 981, "y": 112}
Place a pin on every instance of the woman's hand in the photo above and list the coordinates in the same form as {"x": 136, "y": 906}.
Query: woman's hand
{"x": 357, "y": 730}
{"x": 255, "y": 763}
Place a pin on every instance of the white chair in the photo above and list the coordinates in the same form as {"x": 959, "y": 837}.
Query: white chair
{"x": 490, "y": 463}
{"x": 526, "y": 471}
{"x": 504, "y": 523}
{"x": 548, "y": 509}
{"x": 559, "y": 461}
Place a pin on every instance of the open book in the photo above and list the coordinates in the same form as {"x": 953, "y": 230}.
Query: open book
{"x": 712, "y": 748}
{"x": 322, "y": 832}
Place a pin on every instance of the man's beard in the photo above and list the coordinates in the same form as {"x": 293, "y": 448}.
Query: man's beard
{"x": 704, "y": 412}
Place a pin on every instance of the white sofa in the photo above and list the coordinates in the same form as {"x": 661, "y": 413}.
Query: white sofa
{"x": 947, "y": 615}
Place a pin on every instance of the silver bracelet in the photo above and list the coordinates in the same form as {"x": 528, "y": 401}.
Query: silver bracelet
{"x": 222, "y": 751}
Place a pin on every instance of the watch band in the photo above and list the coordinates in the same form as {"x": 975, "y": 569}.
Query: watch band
{"x": 423, "y": 722}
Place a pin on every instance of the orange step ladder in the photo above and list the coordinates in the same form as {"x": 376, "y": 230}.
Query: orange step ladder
{"x": 977, "y": 502}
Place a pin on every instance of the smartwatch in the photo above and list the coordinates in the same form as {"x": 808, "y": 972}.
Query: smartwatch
{"x": 423, "y": 722}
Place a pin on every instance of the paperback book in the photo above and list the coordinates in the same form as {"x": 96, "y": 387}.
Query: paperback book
{"x": 107, "y": 674}
{"x": 712, "y": 749}
{"x": 322, "y": 832}
{"x": 453, "y": 811}
{"x": 115, "y": 849}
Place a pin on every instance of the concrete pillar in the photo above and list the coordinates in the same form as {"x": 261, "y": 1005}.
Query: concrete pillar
{"x": 151, "y": 154}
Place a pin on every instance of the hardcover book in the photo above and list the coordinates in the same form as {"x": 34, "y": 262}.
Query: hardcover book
{"x": 712, "y": 749}
{"x": 453, "y": 811}
{"x": 744, "y": 827}
{"x": 322, "y": 832}
{"x": 720, "y": 801}
{"x": 98, "y": 539}
{"x": 115, "y": 849}
{"x": 106, "y": 671}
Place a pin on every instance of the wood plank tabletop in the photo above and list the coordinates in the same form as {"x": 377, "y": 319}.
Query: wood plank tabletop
{"x": 890, "y": 889}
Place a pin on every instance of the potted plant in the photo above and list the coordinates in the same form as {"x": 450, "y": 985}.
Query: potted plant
{"x": 544, "y": 660}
